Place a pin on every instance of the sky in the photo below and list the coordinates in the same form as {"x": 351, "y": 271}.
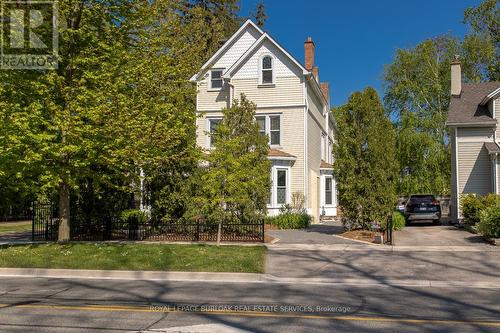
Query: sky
{"x": 355, "y": 38}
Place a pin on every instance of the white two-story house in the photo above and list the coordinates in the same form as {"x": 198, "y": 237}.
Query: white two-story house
{"x": 293, "y": 110}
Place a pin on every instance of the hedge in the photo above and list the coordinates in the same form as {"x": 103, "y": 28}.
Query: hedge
{"x": 290, "y": 220}
{"x": 489, "y": 223}
{"x": 473, "y": 205}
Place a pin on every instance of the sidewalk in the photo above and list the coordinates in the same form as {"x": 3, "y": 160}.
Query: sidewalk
{"x": 462, "y": 264}
{"x": 247, "y": 278}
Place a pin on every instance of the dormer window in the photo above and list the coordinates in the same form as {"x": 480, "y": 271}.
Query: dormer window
{"x": 216, "y": 79}
{"x": 267, "y": 75}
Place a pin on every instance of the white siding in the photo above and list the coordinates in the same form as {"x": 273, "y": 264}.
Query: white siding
{"x": 292, "y": 138}
{"x": 474, "y": 165}
{"x": 292, "y": 141}
{"x": 498, "y": 174}
{"x": 283, "y": 66}
{"x": 211, "y": 100}
{"x": 236, "y": 50}
{"x": 202, "y": 127}
{"x": 288, "y": 91}
{"x": 313, "y": 160}
{"x": 496, "y": 105}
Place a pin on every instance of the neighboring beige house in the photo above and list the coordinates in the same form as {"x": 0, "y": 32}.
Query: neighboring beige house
{"x": 475, "y": 135}
{"x": 292, "y": 110}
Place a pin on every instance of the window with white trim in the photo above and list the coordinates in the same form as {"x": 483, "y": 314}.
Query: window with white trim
{"x": 281, "y": 186}
{"x": 216, "y": 79}
{"x": 270, "y": 125}
{"x": 261, "y": 121}
{"x": 267, "y": 75}
{"x": 212, "y": 127}
{"x": 274, "y": 130}
{"x": 328, "y": 190}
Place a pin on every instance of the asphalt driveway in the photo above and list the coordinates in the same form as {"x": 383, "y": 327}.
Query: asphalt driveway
{"x": 425, "y": 234}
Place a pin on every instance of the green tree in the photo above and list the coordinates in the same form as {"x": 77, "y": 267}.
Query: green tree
{"x": 58, "y": 123}
{"x": 260, "y": 14}
{"x": 235, "y": 185}
{"x": 483, "y": 43}
{"x": 365, "y": 160}
{"x": 417, "y": 94}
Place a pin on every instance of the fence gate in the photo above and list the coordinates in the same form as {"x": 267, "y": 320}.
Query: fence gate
{"x": 45, "y": 225}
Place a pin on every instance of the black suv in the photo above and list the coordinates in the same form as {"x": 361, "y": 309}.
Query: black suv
{"x": 422, "y": 207}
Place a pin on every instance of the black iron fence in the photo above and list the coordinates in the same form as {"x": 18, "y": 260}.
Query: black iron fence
{"x": 44, "y": 223}
{"x": 45, "y": 227}
{"x": 132, "y": 229}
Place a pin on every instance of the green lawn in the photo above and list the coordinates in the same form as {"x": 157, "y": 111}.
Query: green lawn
{"x": 122, "y": 256}
{"x": 15, "y": 227}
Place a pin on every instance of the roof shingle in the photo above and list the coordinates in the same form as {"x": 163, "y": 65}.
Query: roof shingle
{"x": 279, "y": 153}
{"x": 465, "y": 109}
{"x": 492, "y": 147}
{"x": 324, "y": 165}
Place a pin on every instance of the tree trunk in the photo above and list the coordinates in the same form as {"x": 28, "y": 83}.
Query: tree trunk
{"x": 64, "y": 213}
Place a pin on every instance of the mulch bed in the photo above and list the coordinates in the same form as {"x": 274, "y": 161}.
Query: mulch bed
{"x": 363, "y": 235}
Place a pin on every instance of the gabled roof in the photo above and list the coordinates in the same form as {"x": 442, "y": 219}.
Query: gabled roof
{"x": 230, "y": 71}
{"x": 467, "y": 109}
{"x": 224, "y": 47}
{"x": 487, "y": 98}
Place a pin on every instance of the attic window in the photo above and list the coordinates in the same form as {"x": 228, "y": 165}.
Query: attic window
{"x": 216, "y": 79}
{"x": 267, "y": 70}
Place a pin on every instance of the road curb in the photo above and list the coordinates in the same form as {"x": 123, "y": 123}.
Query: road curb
{"x": 233, "y": 278}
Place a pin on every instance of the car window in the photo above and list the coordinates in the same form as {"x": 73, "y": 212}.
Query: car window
{"x": 418, "y": 199}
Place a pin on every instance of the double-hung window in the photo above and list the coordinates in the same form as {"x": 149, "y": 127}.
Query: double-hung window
{"x": 216, "y": 79}
{"x": 212, "y": 127}
{"x": 281, "y": 186}
{"x": 274, "y": 130}
{"x": 261, "y": 121}
{"x": 266, "y": 75}
{"x": 270, "y": 125}
{"x": 328, "y": 190}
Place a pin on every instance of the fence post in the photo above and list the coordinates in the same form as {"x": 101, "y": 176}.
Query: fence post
{"x": 263, "y": 228}
{"x": 33, "y": 221}
{"x": 197, "y": 238}
{"x": 47, "y": 219}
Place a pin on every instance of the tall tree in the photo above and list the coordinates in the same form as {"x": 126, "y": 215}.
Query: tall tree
{"x": 365, "y": 160}
{"x": 58, "y": 121}
{"x": 417, "y": 94}
{"x": 235, "y": 184}
{"x": 260, "y": 14}
{"x": 483, "y": 42}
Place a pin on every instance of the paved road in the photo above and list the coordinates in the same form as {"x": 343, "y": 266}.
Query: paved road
{"x": 57, "y": 305}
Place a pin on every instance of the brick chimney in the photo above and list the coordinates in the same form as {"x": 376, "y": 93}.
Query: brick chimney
{"x": 456, "y": 77}
{"x": 325, "y": 89}
{"x": 309, "y": 53}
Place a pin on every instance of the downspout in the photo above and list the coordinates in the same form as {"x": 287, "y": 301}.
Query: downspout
{"x": 231, "y": 92}
{"x": 495, "y": 173}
